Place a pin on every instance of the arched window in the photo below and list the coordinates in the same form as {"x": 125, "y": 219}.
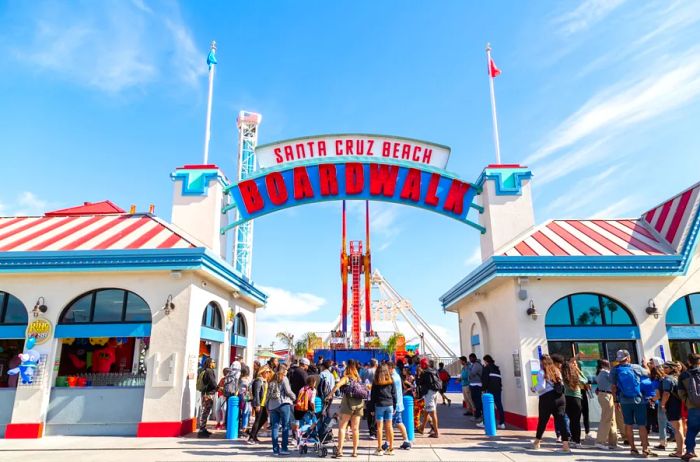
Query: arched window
{"x": 12, "y": 311}
{"x": 239, "y": 327}
{"x": 588, "y": 309}
{"x": 685, "y": 311}
{"x": 106, "y": 306}
{"x": 212, "y": 317}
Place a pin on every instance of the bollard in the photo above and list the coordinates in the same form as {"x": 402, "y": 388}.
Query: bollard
{"x": 489, "y": 414}
{"x": 407, "y": 417}
{"x": 232, "y": 413}
{"x": 318, "y": 405}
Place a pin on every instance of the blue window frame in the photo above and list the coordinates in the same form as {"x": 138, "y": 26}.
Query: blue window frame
{"x": 685, "y": 311}
{"x": 239, "y": 327}
{"x": 588, "y": 309}
{"x": 12, "y": 311}
{"x": 106, "y": 306}
{"x": 211, "y": 317}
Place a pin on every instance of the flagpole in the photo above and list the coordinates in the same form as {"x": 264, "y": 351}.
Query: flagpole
{"x": 211, "y": 60}
{"x": 493, "y": 106}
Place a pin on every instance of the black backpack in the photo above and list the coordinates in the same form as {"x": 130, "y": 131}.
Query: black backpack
{"x": 434, "y": 382}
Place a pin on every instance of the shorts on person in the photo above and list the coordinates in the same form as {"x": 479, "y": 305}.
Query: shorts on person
{"x": 634, "y": 413}
{"x": 397, "y": 419}
{"x": 430, "y": 401}
{"x": 382, "y": 413}
{"x": 352, "y": 406}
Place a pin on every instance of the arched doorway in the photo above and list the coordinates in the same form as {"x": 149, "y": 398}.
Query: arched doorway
{"x": 103, "y": 338}
{"x": 683, "y": 326}
{"x": 211, "y": 337}
{"x": 13, "y": 325}
{"x": 239, "y": 337}
{"x": 592, "y": 326}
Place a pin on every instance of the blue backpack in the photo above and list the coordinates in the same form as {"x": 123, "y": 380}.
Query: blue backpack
{"x": 628, "y": 381}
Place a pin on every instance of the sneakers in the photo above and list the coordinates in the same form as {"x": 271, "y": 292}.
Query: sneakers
{"x": 502, "y": 426}
{"x": 405, "y": 445}
{"x": 284, "y": 453}
{"x": 449, "y": 402}
{"x": 536, "y": 444}
{"x": 372, "y": 437}
{"x": 203, "y": 434}
{"x": 480, "y": 424}
{"x": 378, "y": 452}
{"x": 389, "y": 452}
{"x": 252, "y": 442}
{"x": 604, "y": 447}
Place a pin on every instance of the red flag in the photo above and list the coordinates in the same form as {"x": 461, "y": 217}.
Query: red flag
{"x": 493, "y": 70}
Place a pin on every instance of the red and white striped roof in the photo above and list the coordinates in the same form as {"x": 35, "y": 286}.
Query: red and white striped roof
{"x": 590, "y": 238}
{"x": 88, "y": 232}
{"x": 671, "y": 219}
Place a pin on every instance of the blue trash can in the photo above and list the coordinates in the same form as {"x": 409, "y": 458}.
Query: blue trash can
{"x": 489, "y": 414}
{"x": 232, "y": 413}
{"x": 407, "y": 417}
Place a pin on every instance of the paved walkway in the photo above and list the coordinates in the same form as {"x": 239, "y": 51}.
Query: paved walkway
{"x": 460, "y": 441}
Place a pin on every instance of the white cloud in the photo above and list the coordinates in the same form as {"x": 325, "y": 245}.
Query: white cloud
{"x": 26, "y": 203}
{"x": 283, "y": 303}
{"x": 618, "y": 209}
{"x": 585, "y": 192}
{"x": 383, "y": 221}
{"x": 672, "y": 83}
{"x": 587, "y": 14}
{"x": 111, "y": 46}
{"x": 474, "y": 259}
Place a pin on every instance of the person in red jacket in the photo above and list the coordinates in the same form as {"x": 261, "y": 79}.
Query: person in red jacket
{"x": 445, "y": 378}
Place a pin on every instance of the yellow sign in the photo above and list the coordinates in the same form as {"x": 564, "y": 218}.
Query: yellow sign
{"x": 41, "y": 329}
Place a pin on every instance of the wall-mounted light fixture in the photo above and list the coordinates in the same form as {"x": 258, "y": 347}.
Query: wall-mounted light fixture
{"x": 236, "y": 293}
{"x": 652, "y": 310}
{"x": 40, "y": 307}
{"x": 169, "y": 306}
{"x": 532, "y": 311}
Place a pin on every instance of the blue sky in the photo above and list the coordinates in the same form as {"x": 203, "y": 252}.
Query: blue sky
{"x": 102, "y": 100}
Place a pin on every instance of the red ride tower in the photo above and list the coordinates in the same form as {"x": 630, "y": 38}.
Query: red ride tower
{"x": 356, "y": 263}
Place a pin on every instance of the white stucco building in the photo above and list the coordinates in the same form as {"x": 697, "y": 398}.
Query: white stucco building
{"x": 587, "y": 287}
{"x": 126, "y": 304}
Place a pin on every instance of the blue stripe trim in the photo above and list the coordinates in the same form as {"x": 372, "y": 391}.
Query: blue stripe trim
{"x": 683, "y": 332}
{"x": 125, "y": 260}
{"x": 207, "y": 333}
{"x": 13, "y": 332}
{"x": 238, "y": 340}
{"x": 475, "y": 340}
{"x": 102, "y": 330}
{"x": 593, "y": 333}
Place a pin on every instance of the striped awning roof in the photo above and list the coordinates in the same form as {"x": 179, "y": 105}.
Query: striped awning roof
{"x": 590, "y": 238}
{"x": 88, "y": 232}
{"x": 672, "y": 218}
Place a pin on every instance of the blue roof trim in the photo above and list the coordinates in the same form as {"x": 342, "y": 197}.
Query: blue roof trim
{"x": 195, "y": 182}
{"x": 128, "y": 260}
{"x": 508, "y": 180}
{"x": 592, "y": 333}
{"x": 103, "y": 330}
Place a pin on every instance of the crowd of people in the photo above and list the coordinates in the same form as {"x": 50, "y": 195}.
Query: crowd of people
{"x": 286, "y": 396}
{"x": 661, "y": 397}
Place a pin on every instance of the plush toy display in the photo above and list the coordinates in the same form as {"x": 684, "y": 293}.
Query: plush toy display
{"x": 30, "y": 361}
{"x": 103, "y": 359}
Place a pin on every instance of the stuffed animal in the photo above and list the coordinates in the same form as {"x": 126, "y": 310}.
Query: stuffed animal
{"x": 27, "y": 368}
{"x": 103, "y": 359}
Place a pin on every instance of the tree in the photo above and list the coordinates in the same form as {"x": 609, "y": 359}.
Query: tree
{"x": 287, "y": 340}
{"x": 583, "y": 319}
{"x": 594, "y": 311}
{"x": 612, "y": 307}
{"x": 390, "y": 345}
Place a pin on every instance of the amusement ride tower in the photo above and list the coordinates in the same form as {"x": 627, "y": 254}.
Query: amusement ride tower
{"x": 243, "y": 236}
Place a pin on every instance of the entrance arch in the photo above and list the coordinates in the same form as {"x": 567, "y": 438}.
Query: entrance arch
{"x": 211, "y": 332}
{"x": 683, "y": 326}
{"x": 239, "y": 337}
{"x": 103, "y": 337}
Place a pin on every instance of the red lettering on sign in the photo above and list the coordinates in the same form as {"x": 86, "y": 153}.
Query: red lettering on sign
{"x": 302, "y": 184}
{"x": 382, "y": 179}
{"x": 338, "y": 147}
{"x": 426, "y": 156}
{"x": 328, "y": 179}
{"x": 288, "y": 153}
{"x": 360, "y": 147}
{"x": 386, "y": 149}
{"x": 301, "y": 152}
{"x": 406, "y": 152}
{"x": 411, "y": 187}
{"x": 322, "y": 148}
{"x": 348, "y": 147}
{"x": 395, "y": 151}
{"x": 455, "y": 198}
{"x": 276, "y": 188}
{"x": 370, "y": 145}
{"x": 278, "y": 155}
{"x": 311, "y": 148}
{"x": 416, "y": 150}
{"x": 252, "y": 199}
{"x": 354, "y": 178}
{"x": 430, "y": 196}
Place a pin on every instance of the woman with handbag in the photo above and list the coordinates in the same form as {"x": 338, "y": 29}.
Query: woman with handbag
{"x": 550, "y": 389}
{"x": 351, "y": 406}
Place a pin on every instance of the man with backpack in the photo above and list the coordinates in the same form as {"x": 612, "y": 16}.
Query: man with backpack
{"x": 206, "y": 385}
{"x": 626, "y": 381}
{"x": 445, "y": 378}
{"x": 326, "y": 383}
{"x": 429, "y": 384}
{"x": 689, "y": 393}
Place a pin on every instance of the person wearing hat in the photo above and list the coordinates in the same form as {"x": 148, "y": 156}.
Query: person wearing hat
{"x": 670, "y": 403}
{"x": 607, "y": 429}
{"x": 427, "y": 389}
{"x": 626, "y": 381}
{"x": 297, "y": 380}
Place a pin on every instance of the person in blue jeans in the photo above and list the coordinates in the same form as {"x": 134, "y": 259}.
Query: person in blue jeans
{"x": 279, "y": 405}
{"x": 384, "y": 399}
{"x": 626, "y": 381}
{"x": 687, "y": 382}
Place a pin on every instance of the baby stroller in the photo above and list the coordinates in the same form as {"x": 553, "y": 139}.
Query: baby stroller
{"x": 317, "y": 432}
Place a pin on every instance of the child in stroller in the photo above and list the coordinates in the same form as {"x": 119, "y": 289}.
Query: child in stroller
{"x": 317, "y": 432}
